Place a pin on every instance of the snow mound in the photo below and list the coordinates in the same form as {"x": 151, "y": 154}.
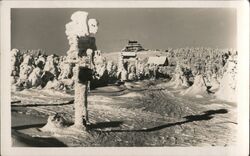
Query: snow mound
{"x": 227, "y": 89}
{"x": 215, "y": 84}
{"x": 179, "y": 79}
{"x": 180, "y": 82}
{"x": 59, "y": 127}
{"x": 54, "y": 123}
{"x": 198, "y": 88}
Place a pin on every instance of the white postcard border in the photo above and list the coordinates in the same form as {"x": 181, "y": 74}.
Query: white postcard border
{"x": 243, "y": 80}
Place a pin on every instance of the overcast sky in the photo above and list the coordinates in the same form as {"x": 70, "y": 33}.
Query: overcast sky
{"x": 153, "y": 28}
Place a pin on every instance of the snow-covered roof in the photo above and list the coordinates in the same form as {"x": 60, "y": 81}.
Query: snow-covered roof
{"x": 161, "y": 60}
{"x": 132, "y": 54}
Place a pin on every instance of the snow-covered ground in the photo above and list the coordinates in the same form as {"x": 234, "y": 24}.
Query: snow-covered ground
{"x": 145, "y": 113}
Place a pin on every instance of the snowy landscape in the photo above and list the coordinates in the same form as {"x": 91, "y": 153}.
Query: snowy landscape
{"x": 147, "y": 112}
{"x": 134, "y": 97}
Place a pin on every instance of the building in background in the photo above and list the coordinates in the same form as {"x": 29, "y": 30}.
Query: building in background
{"x": 132, "y": 46}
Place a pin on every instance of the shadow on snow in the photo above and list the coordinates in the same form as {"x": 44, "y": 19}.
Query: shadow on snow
{"x": 207, "y": 115}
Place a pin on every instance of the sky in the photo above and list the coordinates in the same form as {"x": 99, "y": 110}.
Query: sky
{"x": 154, "y": 28}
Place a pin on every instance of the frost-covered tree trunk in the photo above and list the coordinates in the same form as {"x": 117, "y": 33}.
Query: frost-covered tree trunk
{"x": 80, "y": 33}
{"x": 78, "y": 27}
{"x": 81, "y": 93}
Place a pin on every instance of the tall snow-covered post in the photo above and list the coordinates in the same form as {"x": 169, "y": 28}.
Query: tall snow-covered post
{"x": 80, "y": 33}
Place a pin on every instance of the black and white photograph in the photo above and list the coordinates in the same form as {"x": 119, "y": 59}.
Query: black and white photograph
{"x": 136, "y": 76}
